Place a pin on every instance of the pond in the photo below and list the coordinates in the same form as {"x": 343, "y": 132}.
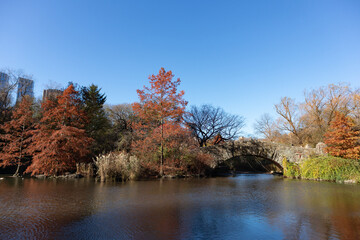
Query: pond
{"x": 246, "y": 206}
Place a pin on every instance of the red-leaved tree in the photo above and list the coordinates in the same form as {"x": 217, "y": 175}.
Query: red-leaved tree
{"x": 18, "y": 135}
{"x": 60, "y": 140}
{"x": 160, "y": 104}
{"x": 342, "y": 139}
{"x": 180, "y": 150}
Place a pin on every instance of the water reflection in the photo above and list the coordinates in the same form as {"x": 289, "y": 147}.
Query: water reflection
{"x": 246, "y": 206}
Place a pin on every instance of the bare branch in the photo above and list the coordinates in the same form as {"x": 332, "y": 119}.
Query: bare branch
{"x": 207, "y": 121}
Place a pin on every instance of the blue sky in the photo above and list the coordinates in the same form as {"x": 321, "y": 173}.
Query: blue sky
{"x": 240, "y": 55}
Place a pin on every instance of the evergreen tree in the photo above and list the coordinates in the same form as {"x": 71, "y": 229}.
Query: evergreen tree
{"x": 98, "y": 126}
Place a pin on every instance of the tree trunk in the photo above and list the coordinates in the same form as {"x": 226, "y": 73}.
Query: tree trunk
{"x": 162, "y": 149}
{"x": 16, "y": 174}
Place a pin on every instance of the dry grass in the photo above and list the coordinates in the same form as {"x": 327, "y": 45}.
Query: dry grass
{"x": 118, "y": 166}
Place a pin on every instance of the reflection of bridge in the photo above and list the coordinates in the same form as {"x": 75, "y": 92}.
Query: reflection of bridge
{"x": 268, "y": 150}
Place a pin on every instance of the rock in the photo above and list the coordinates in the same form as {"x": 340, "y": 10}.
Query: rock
{"x": 276, "y": 173}
{"x": 69, "y": 176}
{"x": 73, "y": 176}
{"x": 78, "y": 175}
{"x": 320, "y": 148}
{"x": 40, "y": 176}
{"x": 350, "y": 181}
{"x": 169, "y": 176}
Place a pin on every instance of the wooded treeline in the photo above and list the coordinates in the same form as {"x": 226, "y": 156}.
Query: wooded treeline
{"x": 159, "y": 135}
{"x": 329, "y": 114}
{"x": 49, "y": 137}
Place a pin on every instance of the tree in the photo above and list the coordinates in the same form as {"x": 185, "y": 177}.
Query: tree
{"x": 355, "y": 113}
{"x": 18, "y": 135}
{"x": 7, "y": 88}
{"x": 207, "y": 121}
{"x": 180, "y": 150}
{"x": 342, "y": 138}
{"x": 161, "y": 103}
{"x": 121, "y": 117}
{"x": 315, "y": 114}
{"x": 266, "y": 127}
{"x": 98, "y": 126}
{"x": 338, "y": 99}
{"x": 289, "y": 120}
{"x": 60, "y": 139}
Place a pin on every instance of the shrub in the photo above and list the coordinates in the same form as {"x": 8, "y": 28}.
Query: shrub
{"x": 327, "y": 168}
{"x": 291, "y": 170}
{"x": 331, "y": 168}
{"x": 197, "y": 163}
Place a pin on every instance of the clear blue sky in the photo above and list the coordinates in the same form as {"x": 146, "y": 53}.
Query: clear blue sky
{"x": 240, "y": 55}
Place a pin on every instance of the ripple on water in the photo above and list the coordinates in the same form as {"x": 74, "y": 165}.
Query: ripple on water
{"x": 246, "y": 206}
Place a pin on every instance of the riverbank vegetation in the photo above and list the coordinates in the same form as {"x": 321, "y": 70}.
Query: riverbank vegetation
{"x": 328, "y": 114}
{"x": 325, "y": 168}
{"x": 343, "y": 162}
{"x": 306, "y": 122}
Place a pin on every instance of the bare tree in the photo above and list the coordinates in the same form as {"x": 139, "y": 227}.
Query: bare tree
{"x": 309, "y": 121}
{"x": 355, "y": 106}
{"x": 320, "y": 107}
{"x": 338, "y": 99}
{"x": 266, "y": 127}
{"x": 314, "y": 117}
{"x": 121, "y": 117}
{"x": 289, "y": 120}
{"x": 6, "y": 91}
{"x": 207, "y": 122}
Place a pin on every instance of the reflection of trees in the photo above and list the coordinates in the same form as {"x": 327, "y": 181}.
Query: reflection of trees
{"x": 317, "y": 210}
{"x": 248, "y": 207}
{"x": 35, "y": 209}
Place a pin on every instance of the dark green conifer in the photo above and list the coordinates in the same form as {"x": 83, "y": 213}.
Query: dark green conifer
{"x": 98, "y": 126}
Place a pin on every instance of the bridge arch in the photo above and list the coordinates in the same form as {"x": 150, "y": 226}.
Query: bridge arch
{"x": 270, "y": 151}
{"x": 251, "y": 163}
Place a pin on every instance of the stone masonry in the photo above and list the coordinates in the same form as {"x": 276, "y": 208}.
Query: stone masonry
{"x": 268, "y": 150}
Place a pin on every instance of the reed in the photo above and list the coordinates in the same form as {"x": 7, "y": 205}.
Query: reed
{"x": 117, "y": 166}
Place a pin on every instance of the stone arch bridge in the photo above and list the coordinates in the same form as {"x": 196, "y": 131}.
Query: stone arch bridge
{"x": 274, "y": 152}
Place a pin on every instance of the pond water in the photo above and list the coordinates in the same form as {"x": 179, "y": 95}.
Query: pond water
{"x": 247, "y": 206}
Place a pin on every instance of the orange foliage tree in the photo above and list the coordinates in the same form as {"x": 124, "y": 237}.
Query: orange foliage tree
{"x": 342, "y": 138}
{"x": 160, "y": 105}
{"x": 180, "y": 150}
{"x": 18, "y": 135}
{"x": 60, "y": 139}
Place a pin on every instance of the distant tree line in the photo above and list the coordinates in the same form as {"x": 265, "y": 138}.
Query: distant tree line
{"x": 328, "y": 114}
{"x": 51, "y": 136}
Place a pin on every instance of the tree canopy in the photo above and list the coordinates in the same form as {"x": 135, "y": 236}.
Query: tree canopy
{"x": 60, "y": 139}
{"x": 98, "y": 125}
{"x": 17, "y": 135}
{"x": 160, "y": 104}
{"x": 342, "y": 138}
{"x": 207, "y": 122}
